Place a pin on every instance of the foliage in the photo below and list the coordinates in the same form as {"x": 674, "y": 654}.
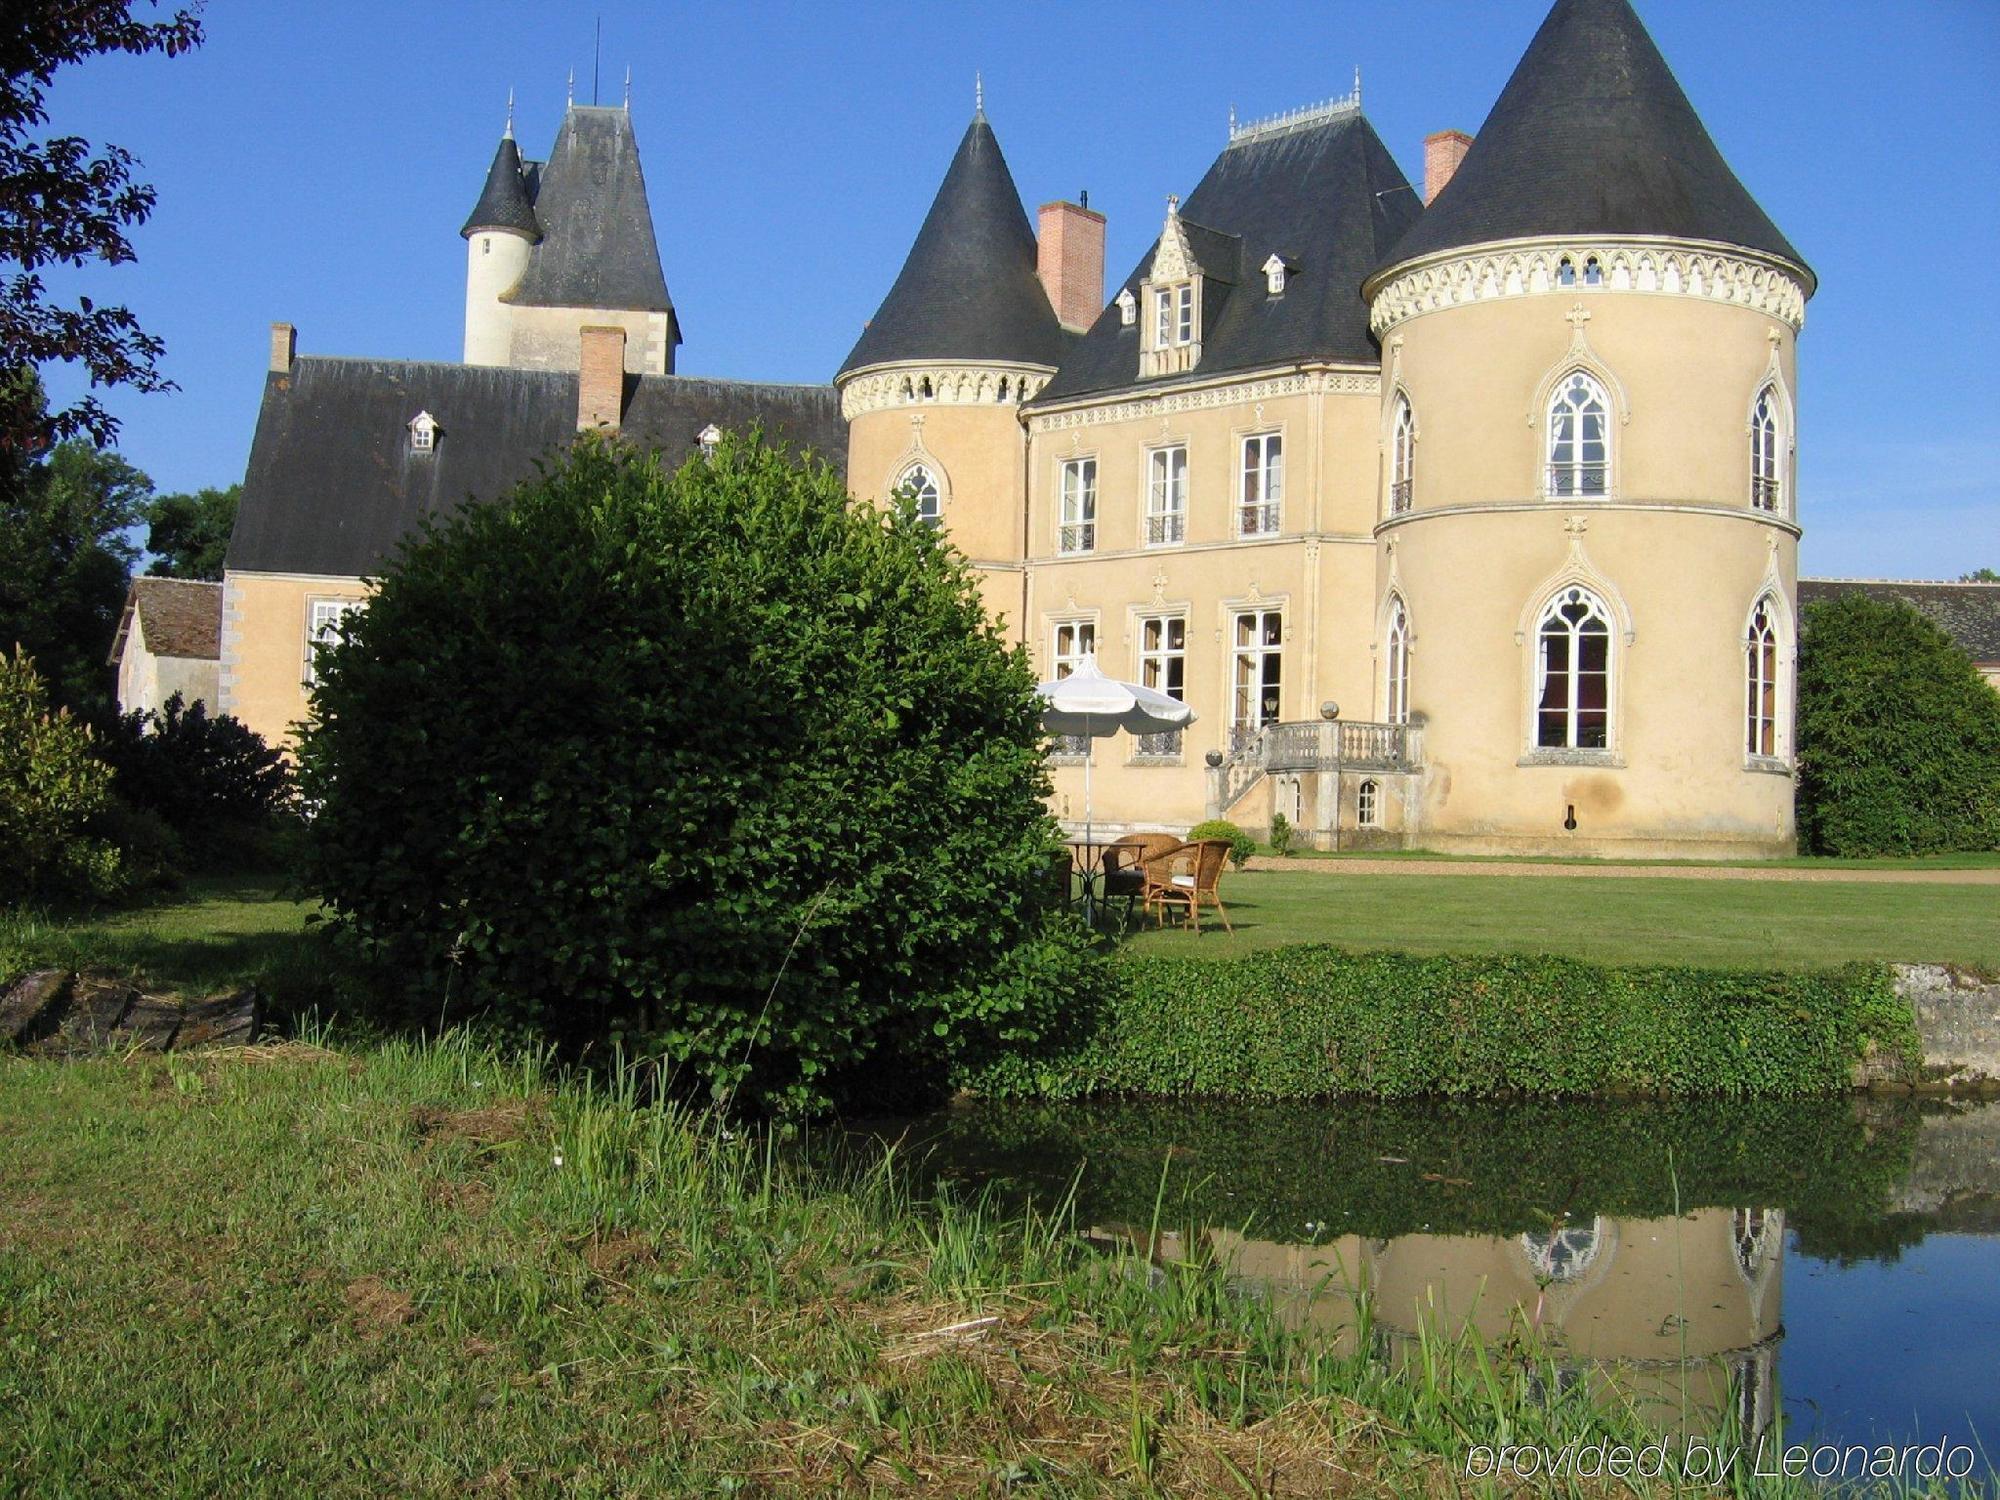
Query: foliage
{"x": 1241, "y": 845}
{"x": 1281, "y": 835}
{"x": 62, "y": 205}
{"x": 1312, "y": 1021}
{"x": 50, "y": 786}
{"x": 65, "y": 564}
{"x": 713, "y": 762}
{"x": 188, "y": 534}
{"x": 1898, "y": 735}
{"x": 1980, "y": 575}
{"x": 196, "y": 772}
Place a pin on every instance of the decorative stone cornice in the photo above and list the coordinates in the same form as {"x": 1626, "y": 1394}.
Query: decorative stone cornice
{"x": 917, "y": 385}
{"x": 1130, "y": 406}
{"x": 1533, "y": 268}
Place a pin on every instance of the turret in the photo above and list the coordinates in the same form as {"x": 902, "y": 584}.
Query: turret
{"x": 499, "y": 233}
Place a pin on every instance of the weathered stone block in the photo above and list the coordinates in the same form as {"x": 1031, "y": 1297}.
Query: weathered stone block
{"x": 225, "y": 1020}
{"x": 97, "y": 1004}
{"x": 1958, "y": 1019}
{"x": 32, "y": 1007}
{"x": 152, "y": 1022}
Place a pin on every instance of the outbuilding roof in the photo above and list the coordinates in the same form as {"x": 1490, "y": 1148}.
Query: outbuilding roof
{"x": 179, "y": 617}
{"x": 335, "y": 481}
{"x": 1967, "y": 612}
{"x": 1593, "y": 136}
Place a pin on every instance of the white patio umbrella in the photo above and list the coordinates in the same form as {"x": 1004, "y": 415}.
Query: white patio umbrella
{"x": 1088, "y": 703}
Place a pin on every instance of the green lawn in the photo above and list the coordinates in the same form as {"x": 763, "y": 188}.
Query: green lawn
{"x": 1989, "y": 860}
{"x": 1733, "y": 923}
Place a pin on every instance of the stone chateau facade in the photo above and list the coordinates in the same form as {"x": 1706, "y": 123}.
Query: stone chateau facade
{"x": 1465, "y": 516}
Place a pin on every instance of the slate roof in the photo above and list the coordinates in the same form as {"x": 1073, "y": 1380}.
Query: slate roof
{"x": 969, "y": 289}
{"x": 1329, "y": 198}
{"x": 1592, "y": 135}
{"x": 506, "y": 201}
{"x": 333, "y": 483}
{"x": 177, "y": 616}
{"x": 1967, "y": 612}
{"x": 597, "y": 247}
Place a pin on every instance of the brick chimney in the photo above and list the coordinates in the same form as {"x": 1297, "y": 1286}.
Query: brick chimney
{"x": 284, "y": 348}
{"x": 1069, "y": 257}
{"x": 1443, "y": 151}
{"x": 600, "y": 379}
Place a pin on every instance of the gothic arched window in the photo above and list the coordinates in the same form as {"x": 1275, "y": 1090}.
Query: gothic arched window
{"x": 1760, "y": 681}
{"x": 1402, "y": 456}
{"x": 1396, "y": 657}
{"x": 1579, "y": 437}
{"x": 1573, "y": 673}
{"x": 1766, "y": 484}
{"x": 919, "y": 482}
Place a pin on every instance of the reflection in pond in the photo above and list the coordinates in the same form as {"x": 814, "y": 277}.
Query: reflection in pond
{"x": 1641, "y": 1246}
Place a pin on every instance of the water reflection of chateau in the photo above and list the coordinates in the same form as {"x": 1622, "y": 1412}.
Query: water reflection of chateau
{"x": 1671, "y": 1314}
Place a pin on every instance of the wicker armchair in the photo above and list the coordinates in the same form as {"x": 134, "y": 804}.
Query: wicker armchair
{"x": 1190, "y": 875}
{"x": 1125, "y": 864}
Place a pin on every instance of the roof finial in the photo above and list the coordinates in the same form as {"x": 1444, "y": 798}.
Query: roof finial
{"x": 628, "y": 88}
{"x": 569, "y": 91}
{"x": 1173, "y": 204}
{"x": 1357, "y": 85}
{"x": 978, "y": 95}
{"x": 508, "y": 133}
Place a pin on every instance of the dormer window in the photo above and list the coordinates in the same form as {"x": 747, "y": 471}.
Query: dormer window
{"x": 1173, "y": 308}
{"x": 423, "y": 432}
{"x": 1128, "y": 308}
{"x": 1170, "y": 343}
{"x": 1274, "y": 275}
{"x": 709, "y": 437}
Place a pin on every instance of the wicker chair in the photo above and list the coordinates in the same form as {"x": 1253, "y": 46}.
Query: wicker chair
{"x": 1125, "y": 865}
{"x": 1199, "y": 885}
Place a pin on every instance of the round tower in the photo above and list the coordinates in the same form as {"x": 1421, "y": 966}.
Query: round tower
{"x": 1588, "y": 529}
{"x": 498, "y": 236}
{"x": 932, "y": 390}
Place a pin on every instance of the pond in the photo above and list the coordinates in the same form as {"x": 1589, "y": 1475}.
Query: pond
{"x": 1833, "y": 1261}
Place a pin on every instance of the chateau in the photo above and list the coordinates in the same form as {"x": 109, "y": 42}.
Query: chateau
{"x": 1464, "y": 517}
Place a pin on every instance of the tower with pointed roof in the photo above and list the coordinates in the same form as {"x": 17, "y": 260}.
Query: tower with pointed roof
{"x": 557, "y": 246}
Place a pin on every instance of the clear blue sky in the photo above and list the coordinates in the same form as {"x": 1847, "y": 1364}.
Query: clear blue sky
{"x": 314, "y": 163}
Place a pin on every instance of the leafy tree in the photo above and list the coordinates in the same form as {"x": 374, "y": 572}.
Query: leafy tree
{"x": 196, "y": 771}
{"x": 65, "y": 561}
{"x": 714, "y": 761}
{"x": 188, "y": 534}
{"x": 1899, "y": 735}
{"x": 51, "y": 785}
{"x": 1980, "y": 575}
{"x": 60, "y": 203}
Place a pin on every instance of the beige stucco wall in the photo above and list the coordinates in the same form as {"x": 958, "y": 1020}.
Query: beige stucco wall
{"x": 146, "y": 681}
{"x": 264, "y": 646}
{"x": 494, "y": 261}
{"x": 1676, "y": 550}
{"x": 551, "y": 338}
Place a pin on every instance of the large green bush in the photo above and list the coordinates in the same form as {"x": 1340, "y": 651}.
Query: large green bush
{"x": 1241, "y": 844}
{"x": 51, "y": 785}
{"x": 714, "y": 762}
{"x": 1898, "y": 735}
{"x": 1311, "y": 1020}
{"x": 207, "y": 777}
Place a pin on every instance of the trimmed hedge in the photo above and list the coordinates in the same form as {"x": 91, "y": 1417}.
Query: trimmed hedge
{"x": 1315, "y": 1021}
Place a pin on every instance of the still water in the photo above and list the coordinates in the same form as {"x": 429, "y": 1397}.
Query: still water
{"x": 1833, "y": 1261}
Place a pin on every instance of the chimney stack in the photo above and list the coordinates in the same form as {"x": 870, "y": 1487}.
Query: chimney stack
{"x": 600, "y": 379}
{"x": 1443, "y": 151}
{"x": 1069, "y": 257}
{"x": 284, "y": 348}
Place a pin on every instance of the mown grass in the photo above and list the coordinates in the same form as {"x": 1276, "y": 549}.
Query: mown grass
{"x": 430, "y": 1269}
{"x": 1966, "y": 860}
{"x": 1706, "y": 923}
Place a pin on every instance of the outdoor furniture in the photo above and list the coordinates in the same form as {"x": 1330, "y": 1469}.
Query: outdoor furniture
{"x": 1091, "y": 860}
{"x": 1189, "y": 875}
{"x": 1125, "y": 865}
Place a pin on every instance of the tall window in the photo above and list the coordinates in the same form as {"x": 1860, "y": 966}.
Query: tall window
{"x": 1396, "y": 682}
{"x": 1263, "y": 484}
{"x": 1368, "y": 804}
{"x": 1173, "y": 314}
{"x": 1079, "y": 506}
{"x": 918, "y": 481}
{"x": 1256, "y": 672}
{"x": 1402, "y": 456}
{"x": 323, "y": 617}
{"x": 1573, "y": 673}
{"x": 1579, "y": 438}
{"x": 1074, "y": 640}
{"x": 1760, "y": 663}
{"x": 1166, "y": 496}
{"x": 1765, "y": 486}
{"x": 1163, "y": 667}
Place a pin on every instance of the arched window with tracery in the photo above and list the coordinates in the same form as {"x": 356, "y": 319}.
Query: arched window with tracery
{"x": 1402, "y": 456}
{"x": 1760, "y": 681}
{"x": 1565, "y": 1252}
{"x": 1396, "y": 660}
{"x": 1766, "y": 481}
{"x": 1573, "y": 673}
{"x": 1579, "y": 437}
{"x": 919, "y": 482}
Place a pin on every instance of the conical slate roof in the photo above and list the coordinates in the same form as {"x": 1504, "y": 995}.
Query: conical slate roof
{"x": 504, "y": 202}
{"x": 969, "y": 288}
{"x": 597, "y": 246}
{"x": 1592, "y": 135}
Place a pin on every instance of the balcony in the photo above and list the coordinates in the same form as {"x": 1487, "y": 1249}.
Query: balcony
{"x": 1579, "y": 481}
{"x": 1399, "y": 497}
{"x": 1078, "y": 537}
{"x": 1294, "y": 749}
{"x": 1764, "y": 493}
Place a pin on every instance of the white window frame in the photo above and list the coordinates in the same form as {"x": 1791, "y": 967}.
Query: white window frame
{"x": 1076, "y": 505}
{"x": 1547, "y": 624}
{"x": 1368, "y": 803}
{"x": 1250, "y": 711}
{"x": 323, "y": 617}
{"x": 929, "y": 492}
{"x": 1162, "y": 667}
{"x": 1767, "y": 453}
{"x": 1166, "y": 495}
{"x": 1764, "y": 699}
{"x": 1396, "y": 664}
{"x": 1261, "y": 484}
{"x": 1402, "y": 455}
{"x": 1578, "y": 397}
{"x": 1071, "y": 640}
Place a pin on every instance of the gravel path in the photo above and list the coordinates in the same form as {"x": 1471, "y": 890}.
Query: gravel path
{"x": 1835, "y": 874}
